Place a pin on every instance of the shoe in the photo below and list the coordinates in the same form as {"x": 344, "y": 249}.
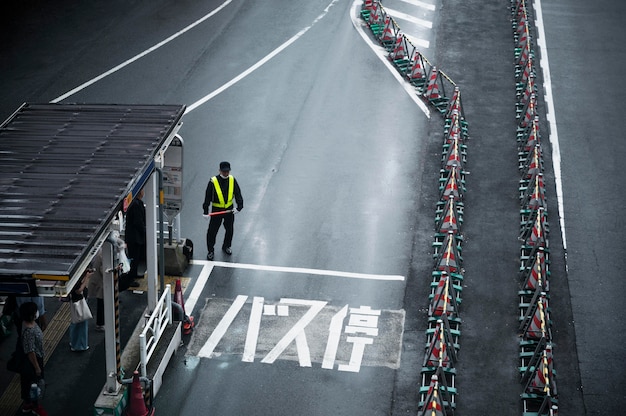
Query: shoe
{"x": 28, "y": 408}
{"x": 73, "y": 350}
{"x": 134, "y": 284}
{"x": 227, "y": 250}
{"x": 100, "y": 328}
{"x": 210, "y": 255}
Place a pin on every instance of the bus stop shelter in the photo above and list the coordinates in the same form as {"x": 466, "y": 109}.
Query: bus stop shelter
{"x": 66, "y": 173}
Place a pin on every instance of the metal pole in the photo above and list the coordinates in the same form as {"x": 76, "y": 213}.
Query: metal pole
{"x": 111, "y": 317}
{"x": 150, "y": 200}
{"x": 161, "y": 236}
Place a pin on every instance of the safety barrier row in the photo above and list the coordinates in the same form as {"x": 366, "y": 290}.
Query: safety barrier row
{"x": 437, "y": 391}
{"x": 434, "y": 85}
{"x": 536, "y": 369}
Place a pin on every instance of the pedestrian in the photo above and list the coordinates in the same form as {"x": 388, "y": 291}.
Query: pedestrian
{"x": 79, "y": 331}
{"x": 42, "y": 321}
{"x": 135, "y": 236}
{"x": 219, "y": 195}
{"x": 95, "y": 288}
{"x": 31, "y": 340}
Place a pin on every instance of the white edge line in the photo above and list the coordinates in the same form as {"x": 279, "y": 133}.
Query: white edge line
{"x": 318, "y": 272}
{"x": 551, "y": 115}
{"x": 382, "y": 55}
{"x": 300, "y": 270}
{"x": 141, "y": 55}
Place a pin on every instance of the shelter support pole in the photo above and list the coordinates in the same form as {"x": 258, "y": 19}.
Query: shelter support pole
{"x": 111, "y": 319}
{"x": 150, "y": 200}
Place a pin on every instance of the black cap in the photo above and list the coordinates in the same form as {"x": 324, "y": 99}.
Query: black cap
{"x": 225, "y": 167}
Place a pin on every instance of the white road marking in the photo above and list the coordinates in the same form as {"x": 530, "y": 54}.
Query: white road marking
{"x": 222, "y": 327}
{"x": 551, "y": 114}
{"x": 404, "y": 16}
{"x": 141, "y": 55}
{"x": 297, "y": 331}
{"x": 359, "y": 25}
{"x": 259, "y": 63}
{"x": 421, "y": 4}
{"x": 334, "y": 336}
{"x": 301, "y": 270}
{"x": 199, "y": 284}
{"x": 417, "y": 41}
{"x": 254, "y": 326}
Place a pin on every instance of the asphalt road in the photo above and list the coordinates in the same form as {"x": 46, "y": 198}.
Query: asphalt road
{"x": 338, "y": 166}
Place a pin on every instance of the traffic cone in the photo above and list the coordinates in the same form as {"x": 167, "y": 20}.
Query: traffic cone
{"x": 530, "y": 137}
{"x": 528, "y": 112}
{"x": 136, "y": 402}
{"x": 374, "y": 19}
{"x": 398, "y": 53}
{"x": 448, "y": 259}
{"x": 543, "y": 382}
{"x": 533, "y": 165}
{"x": 454, "y": 107}
{"x": 537, "y": 325}
{"x": 178, "y": 295}
{"x": 417, "y": 75}
{"x": 437, "y": 352}
{"x": 535, "y": 196}
{"x": 444, "y": 298}
{"x": 453, "y": 156}
{"x": 537, "y": 274}
{"x": 432, "y": 90}
{"x": 448, "y": 220}
{"x": 433, "y": 403}
{"x": 388, "y": 32}
{"x": 453, "y": 186}
{"x": 188, "y": 321}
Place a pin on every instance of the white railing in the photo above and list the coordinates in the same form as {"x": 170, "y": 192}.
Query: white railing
{"x": 160, "y": 318}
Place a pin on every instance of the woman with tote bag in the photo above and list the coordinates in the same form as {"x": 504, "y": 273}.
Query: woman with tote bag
{"x": 79, "y": 328}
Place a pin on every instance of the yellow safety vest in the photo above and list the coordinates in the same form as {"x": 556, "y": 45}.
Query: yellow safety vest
{"x": 220, "y": 194}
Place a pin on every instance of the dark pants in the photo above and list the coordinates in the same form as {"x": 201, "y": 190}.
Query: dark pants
{"x": 99, "y": 312}
{"x": 214, "y": 225}
{"x": 28, "y": 377}
{"x": 137, "y": 255}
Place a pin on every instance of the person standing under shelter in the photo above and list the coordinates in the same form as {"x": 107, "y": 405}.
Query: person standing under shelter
{"x": 31, "y": 341}
{"x": 135, "y": 235}
{"x": 79, "y": 331}
{"x": 219, "y": 195}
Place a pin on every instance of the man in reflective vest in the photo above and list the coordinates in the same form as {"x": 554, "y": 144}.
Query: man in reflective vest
{"x": 219, "y": 196}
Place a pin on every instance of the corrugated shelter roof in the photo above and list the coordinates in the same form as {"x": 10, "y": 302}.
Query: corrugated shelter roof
{"x": 65, "y": 171}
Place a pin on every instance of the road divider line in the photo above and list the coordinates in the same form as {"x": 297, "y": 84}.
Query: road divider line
{"x": 300, "y": 270}
{"x": 421, "y": 4}
{"x": 404, "y": 16}
{"x": 259, "y": 63}
{"x": 141, "y": 55}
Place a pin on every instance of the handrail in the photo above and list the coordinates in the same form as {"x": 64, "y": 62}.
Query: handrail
{"x": 160, "y": 318}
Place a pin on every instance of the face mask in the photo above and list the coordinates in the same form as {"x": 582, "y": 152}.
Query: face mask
{"x": 36, "y": 315}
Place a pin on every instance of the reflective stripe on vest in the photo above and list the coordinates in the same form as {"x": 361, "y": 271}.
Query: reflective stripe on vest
{"x": 220, "y": 195}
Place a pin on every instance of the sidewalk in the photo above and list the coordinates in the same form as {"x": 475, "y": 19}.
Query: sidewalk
{"x": 73, "y": 379}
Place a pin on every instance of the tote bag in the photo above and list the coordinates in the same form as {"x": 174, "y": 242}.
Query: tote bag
{"x": 80, "y": 311}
